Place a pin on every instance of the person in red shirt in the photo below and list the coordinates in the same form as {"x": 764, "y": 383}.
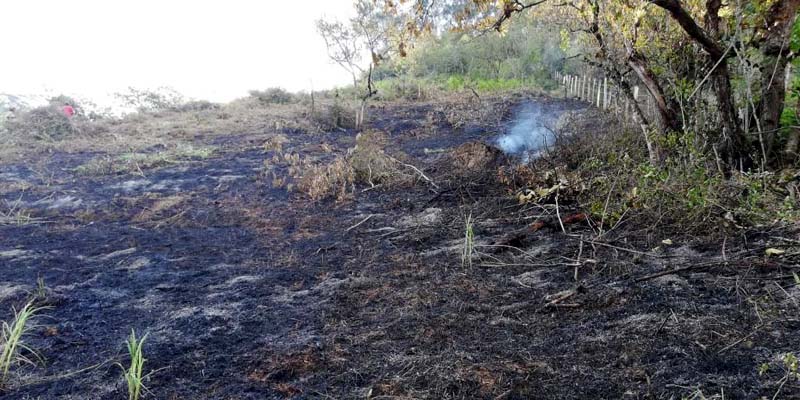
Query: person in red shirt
{"x": 68, "y": 110}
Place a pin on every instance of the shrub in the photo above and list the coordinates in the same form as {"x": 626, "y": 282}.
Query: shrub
{"x": 365, "y": 163}
{"x": 334, "y": 116}
{"x": 402, "y": 88}
{"x": 276, "y": 142}
{"x": 59, "y": 101}
{"x": 143, "y": 100}
{"x": 273, "y": 96}
{"x": 198, "y": 105}
{"x": 43, "y": 123}
{"x": 371, "y": 164}
{"x": 334, "y": 179}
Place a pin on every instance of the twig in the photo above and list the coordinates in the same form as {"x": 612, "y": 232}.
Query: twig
{"x": 668, "y": 272}
{"x": 622, "y": 248}
{"x": 563, "y": 296}
{"x": 358, "y": 224}
{"x": 787, "y": 240}
{"x": 558, "y": 214}
{"x": 421, "y": 174}
{"x": 728, "y": 347}
{"x": 681, "y": 269}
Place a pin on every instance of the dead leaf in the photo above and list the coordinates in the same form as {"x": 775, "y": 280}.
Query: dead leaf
{"x": 774, "y": 252}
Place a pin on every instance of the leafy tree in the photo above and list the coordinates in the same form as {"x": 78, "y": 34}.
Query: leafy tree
{"x": 711, "y": 67}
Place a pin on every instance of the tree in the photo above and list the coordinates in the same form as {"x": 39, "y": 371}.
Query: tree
{"x": 370, "y": 35}
{"x": 775, "y": 44}
{"x": 686, "y": 53}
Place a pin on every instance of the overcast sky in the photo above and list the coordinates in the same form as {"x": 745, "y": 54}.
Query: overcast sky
{"x": 214, "y": 50}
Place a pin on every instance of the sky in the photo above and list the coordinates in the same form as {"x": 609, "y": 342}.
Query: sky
{"x": 213, "y": 50}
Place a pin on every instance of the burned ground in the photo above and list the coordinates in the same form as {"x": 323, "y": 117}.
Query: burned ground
{"x": 250, "y": 291}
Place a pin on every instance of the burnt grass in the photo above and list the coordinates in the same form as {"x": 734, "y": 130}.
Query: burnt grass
{"x": 250, "y": 291}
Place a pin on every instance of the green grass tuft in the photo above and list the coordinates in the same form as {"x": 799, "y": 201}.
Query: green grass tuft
{"x": 133, "y": 374}
{"x": 12, "y": 341}
{"x": 469, "y": 243}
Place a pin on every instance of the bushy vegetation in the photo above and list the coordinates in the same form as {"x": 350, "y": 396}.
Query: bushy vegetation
{"x": 273, "y": 96}
{"x": 41, "y": 123}
{"x": 688, "y": 195}
{"x": 523, "y": 56}
{"x": 366, "y": 163}
{"x": 147, "y": 100}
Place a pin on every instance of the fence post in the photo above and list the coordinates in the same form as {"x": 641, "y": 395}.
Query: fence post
{"x": 574, "y": 85}
{"x": 569, "y": 84}
{"x": 599, "y": 84}
{"x": 583, "y": 88}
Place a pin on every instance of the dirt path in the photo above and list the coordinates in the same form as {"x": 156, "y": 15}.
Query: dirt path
{"x": 249, "y": 291}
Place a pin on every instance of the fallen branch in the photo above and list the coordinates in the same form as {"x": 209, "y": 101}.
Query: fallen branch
{"x": 622, "y": 248}
{"x": 420, "y": 173}
{"x": 730, "y": 346}
{"x": 676, "y": 270}
{"x": 358, "y": 224}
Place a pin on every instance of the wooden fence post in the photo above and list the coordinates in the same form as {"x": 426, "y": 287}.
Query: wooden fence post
{"x": 599, "y": 90}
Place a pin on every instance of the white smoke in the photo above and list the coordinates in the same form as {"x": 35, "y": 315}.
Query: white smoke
{"x": 527, "y": 134}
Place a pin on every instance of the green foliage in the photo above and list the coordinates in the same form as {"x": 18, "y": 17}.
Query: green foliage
{"x": 455, "y": 82}
{"x": 12, "y": 341}
{"x": 469, "y": 242}
{"x": 521, "y": 57}
{"x": 134, "y": 373}
{"x": 403, "y": 87}
{"x": 687, "y": 192}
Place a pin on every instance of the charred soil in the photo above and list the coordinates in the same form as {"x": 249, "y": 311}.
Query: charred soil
{"x": 251, "y": 291}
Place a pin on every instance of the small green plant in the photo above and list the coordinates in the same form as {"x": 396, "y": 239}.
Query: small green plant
{"x": 12, "y": 341}
{"x": 469, "y": 242}
{"x": 133, "y": 374}
{"x": 792, "y": 365}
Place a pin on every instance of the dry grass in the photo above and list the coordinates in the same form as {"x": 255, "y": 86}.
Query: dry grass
{"x": 42, "y": 123}
{"x": 136, "y": 132}
{"x": 365, "y": 163}
{"x": 14, "y": 213}
{"x": 276, "y": 142}
{"x": 137, "y": 163}
{"x": 335, "y": 179}
{"x": 372, "y": 165}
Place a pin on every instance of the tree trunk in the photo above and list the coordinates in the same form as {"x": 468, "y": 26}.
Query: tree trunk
{"x": 775, "y": 47}
{"x": 792, "y": 147}
{"x": 733, "y": 144}
{"x": 666, "y": 110}
{"x": 735, "y": 147}
{"x": 654, "y": 152}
